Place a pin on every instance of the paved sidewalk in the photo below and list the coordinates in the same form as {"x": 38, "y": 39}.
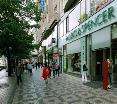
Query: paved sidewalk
{"x": 25, "y": 93}
{"x": 65, "y": 89}
{"x": 7, "y": 87}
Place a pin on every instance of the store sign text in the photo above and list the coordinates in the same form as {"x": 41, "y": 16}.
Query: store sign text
{"x": 102, "y": 18}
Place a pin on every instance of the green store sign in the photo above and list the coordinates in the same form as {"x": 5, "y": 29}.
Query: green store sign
{"x": 99, "y": 20}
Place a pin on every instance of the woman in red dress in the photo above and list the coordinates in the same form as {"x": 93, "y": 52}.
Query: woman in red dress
{"x": 45, "y": 73}
{"x": 105, "y": 75}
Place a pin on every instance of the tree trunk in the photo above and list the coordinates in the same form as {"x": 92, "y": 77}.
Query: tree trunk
{"x": 9, "y": 66}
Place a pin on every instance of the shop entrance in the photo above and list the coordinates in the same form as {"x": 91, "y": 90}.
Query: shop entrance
{"x": 99, "y": 59}
{"x": 114, "y": 59}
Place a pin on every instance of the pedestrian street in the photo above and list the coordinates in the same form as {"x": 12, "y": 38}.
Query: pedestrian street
{"x": 65, "y": 89}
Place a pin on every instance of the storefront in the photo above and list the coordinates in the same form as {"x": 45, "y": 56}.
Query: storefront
{"x": 114, "y": 52}
{"x": 101, "y": 43}
{"x": 97, "y": 39}
{"x": 73, "y": 56}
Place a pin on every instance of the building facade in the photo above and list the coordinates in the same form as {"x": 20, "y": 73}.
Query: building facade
{"x": 90, "y": 37}
{"x": 87, "y": 32}
{"x": 50, "y": 17}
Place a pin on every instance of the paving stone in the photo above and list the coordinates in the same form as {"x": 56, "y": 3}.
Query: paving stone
{"x": 65, "y": 89}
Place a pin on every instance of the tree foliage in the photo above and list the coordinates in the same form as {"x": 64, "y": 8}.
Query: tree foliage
{"x": 14, "y": 26}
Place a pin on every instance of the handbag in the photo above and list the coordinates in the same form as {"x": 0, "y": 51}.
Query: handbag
{"x": 85, "y": 68}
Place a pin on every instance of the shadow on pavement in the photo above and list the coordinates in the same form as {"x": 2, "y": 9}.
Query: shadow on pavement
{"x": 94, "y": 84}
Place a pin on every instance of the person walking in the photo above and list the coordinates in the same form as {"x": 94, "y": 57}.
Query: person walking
{"x": 57, "y": 68}
{"x": 53, "y": 69}
{"x": 30, "y": 67}
{"x": 19, "y": 72}
{"x": 36, "y": 65}
{"x": 84, "y": 73}
{"x": 45, "y": 73}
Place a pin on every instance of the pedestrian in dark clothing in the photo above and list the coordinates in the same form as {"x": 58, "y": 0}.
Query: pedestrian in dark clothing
{"x": 57, "y": 68}
{"x": 36, "y": 65}
{"x": 39, "y": 64}
{"x": 19, "y": 72}
{"x": 84, "y": 72}
{"x": 53, "y": 69}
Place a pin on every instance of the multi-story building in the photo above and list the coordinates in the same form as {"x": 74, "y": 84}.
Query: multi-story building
{"x": 91, "y": 37}
{"x": 50, "y": 17}
{"x": 87, "y": 32}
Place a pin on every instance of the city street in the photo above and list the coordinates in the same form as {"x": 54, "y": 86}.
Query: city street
{"x": 65, "y": 89}
{"x": 76, "y": 37}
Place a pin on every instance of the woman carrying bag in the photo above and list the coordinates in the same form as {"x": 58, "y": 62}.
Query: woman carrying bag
{"x": 84, "y": 73}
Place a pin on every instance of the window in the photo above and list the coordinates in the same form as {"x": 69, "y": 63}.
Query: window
{"x": 42, "y": 5}
{"x": 55, "y": 8}
{"x": 67, "y": 24}
{"x": 83, "y": 7}
{"x": 64, "y": 27}
{"x": 61, "y": 29}
{"x": 99, "y": 4}
{"x": 83, "y": 15}
{"x": 74, "y": 17}
{"x": 93, "y": 7}
{"x": 88, "y": 4}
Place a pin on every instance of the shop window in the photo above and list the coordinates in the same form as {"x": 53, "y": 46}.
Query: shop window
{"x": 76, "y": 62}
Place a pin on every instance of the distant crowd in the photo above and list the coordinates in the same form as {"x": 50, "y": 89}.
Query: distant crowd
{"x": 28, "y": 66}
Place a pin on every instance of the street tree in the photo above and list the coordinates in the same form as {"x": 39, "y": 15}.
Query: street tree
{"x": 15, "y": 40}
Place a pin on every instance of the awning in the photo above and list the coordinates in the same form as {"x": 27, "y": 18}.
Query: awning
{"x": 74, "y": 47}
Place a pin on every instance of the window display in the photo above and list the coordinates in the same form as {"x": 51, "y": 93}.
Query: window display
{"x": 76, "y": 62}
